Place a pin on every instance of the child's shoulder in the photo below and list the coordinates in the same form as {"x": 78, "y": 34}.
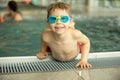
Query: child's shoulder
{"x": 75, "y": 30}
{"x": 46, "y": 31}
{"x": 46, "y": 35}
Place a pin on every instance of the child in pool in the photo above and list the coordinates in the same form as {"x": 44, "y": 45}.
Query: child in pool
{"x": 62, "y": 38}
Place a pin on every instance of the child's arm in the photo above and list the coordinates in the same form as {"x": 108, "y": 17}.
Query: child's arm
{"x": 42, "y": 53}
{"x": 85, "y": 49}
{"x": 6, "y": 16}
{"x": 84, "y": 55}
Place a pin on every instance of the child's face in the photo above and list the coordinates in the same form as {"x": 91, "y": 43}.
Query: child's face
{"x": 59, "y": 21}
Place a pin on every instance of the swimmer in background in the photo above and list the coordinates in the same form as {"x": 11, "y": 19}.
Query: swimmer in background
{"x": 13, "y": 13}
{"x": 63, "y": 39}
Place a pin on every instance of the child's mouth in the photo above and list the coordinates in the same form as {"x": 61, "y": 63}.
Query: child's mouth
{"x": 58, "y": 28}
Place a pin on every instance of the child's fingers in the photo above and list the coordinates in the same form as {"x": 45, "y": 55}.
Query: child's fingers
{"x": 40, "y": 56}
{"x": 89, "y": 65}
{"x": 77, "y": 65}
{"x": 84, "y": 66}
{"x": 46, "y": 54}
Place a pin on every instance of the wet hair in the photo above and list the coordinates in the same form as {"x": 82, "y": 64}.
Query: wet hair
{"x": 13, "y": 5}
{"x": 58, "y": 5}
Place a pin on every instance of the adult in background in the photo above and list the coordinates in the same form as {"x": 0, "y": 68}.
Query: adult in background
{"x": 13, "y": 13}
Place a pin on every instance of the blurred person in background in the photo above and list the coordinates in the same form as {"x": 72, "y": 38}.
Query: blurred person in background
{"x": 13, "y": 13}
{"x": 1, "y": 19}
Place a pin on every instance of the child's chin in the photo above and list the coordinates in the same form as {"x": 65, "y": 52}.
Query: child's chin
{"x": 60, "y": 32}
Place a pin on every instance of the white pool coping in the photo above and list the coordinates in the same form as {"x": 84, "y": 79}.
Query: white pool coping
{"x": 91, "y": 55}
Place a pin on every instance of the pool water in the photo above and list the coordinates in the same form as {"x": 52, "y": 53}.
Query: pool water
{"x": 23, "y": 38}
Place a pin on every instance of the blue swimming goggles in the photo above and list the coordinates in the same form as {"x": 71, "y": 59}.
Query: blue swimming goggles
{"x": 53, "y": 19}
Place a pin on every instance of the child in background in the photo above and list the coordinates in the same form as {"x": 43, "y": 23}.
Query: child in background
{"x": 63, "y": 39}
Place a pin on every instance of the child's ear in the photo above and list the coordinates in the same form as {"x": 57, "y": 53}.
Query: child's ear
{"x": 72, "y": 23}
{"x": 47, "y": 23}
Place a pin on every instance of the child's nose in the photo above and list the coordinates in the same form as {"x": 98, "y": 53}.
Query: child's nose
{"x": 58, "y": 21}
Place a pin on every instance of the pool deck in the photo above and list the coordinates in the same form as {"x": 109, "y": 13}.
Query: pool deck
{"x": 93, "y": 74}
{"x": 102, "y": 73}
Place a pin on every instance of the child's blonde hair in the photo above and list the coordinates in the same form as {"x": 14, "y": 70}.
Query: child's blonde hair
{"x": 59, "y": 5}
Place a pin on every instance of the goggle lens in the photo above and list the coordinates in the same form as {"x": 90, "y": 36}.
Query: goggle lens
{"x": 54, "y": 19}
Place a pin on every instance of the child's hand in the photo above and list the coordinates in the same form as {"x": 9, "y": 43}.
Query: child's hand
{"x": 42, "y": 55}
{"x": 83, "y": 64}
